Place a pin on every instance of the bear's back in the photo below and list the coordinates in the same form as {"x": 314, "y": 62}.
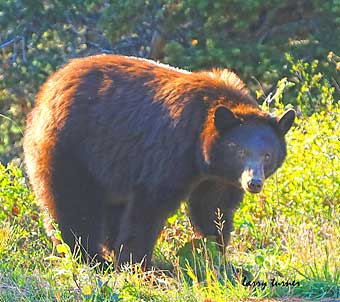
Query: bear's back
{"x": 129, "y": 115}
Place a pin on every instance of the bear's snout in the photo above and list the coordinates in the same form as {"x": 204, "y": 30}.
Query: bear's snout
{"x": 254, "y": 185}
{"x": 252, "y": 178}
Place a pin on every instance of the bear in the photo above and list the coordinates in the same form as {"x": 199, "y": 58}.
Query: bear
{"x": 114, "y": 144}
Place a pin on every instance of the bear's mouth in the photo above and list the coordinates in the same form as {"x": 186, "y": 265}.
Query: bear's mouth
{"x": 251, "y": 190}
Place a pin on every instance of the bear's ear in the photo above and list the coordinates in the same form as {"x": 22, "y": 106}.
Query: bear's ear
{"x": 224, "y": 118}
{"x": 286, "y": 120}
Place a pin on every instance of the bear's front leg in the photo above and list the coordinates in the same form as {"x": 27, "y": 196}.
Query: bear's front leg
{"x": 205, "y": 200}
{"x": 140, "y": 226}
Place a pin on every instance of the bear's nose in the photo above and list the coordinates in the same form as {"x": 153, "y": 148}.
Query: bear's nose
{"x": 255, "y": 185}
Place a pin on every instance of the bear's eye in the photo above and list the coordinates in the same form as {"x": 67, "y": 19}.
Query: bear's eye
{"x": 242, "y": 153}
{"x": 267, "y": 156}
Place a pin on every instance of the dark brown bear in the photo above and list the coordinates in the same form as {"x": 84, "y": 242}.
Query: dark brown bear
{"x": 114, "y": 144}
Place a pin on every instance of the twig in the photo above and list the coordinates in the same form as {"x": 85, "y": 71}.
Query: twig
{"x": 14, "y": 43}
{"x": 259, "y": 83}
{"x": 14, "y": 40}
{"x": 11, "y": 120}
{"x": 23, "y": 51}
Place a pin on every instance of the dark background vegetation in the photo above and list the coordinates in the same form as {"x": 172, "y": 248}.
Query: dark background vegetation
{"x": 251, "y": 37}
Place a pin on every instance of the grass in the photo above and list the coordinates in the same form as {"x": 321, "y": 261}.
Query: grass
{"x": 289, "y": 233}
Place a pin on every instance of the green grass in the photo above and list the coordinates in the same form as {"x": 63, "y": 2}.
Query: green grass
{"x": 289, "y": 232}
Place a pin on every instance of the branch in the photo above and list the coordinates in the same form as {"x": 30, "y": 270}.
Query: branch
{"x": 13, "y": 41}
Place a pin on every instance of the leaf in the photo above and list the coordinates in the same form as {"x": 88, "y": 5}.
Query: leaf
{"x": 87, "y": 290}
{"x": 259, "y": 260}
{"x": 172, "y": 219}
{"x": 15, "y": 211}
{"x": 62, "y": 248}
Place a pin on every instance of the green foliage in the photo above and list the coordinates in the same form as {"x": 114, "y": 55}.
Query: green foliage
{"x": 249, "y": 36}
{"x": 23, "y": 244}
{"x": 20, "y": 220}
{"x": 46, "y": 35}
{"x": 314, "y": 90}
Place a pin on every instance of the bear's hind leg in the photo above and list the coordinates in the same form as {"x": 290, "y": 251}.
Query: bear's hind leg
{"x": 78, "y": 202}
{"x": 141, "y": 223}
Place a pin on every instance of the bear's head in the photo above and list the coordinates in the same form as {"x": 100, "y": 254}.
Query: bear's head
{"x": 245, "y": 150}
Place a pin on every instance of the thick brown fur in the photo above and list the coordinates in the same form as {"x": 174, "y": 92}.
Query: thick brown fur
{"x": 114, "y": 144}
